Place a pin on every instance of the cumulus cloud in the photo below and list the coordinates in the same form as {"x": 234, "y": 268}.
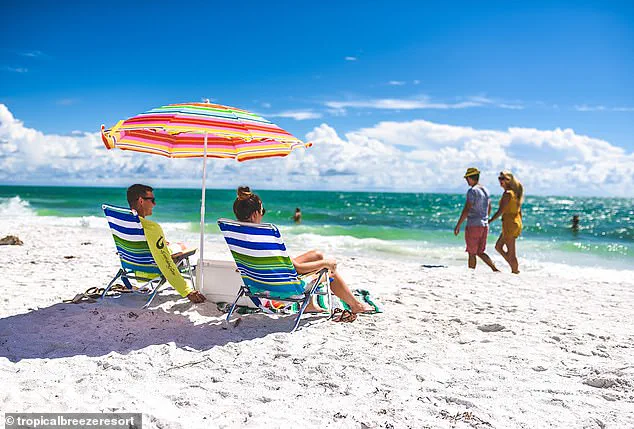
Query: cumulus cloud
{"x": 30, "y": 156}
{"x": 418, "y": 155}
{"x": 548, "y": 161}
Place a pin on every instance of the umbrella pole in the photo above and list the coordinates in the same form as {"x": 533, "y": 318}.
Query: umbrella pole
{"x": 201, "y": 281}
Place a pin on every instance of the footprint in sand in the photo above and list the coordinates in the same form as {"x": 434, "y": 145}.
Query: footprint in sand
{"x": 493, "y": 327}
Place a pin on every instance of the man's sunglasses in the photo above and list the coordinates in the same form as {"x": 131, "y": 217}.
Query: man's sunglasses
{"x": 263, "y": 211}
{"x": 153, "y": 199}
{"x": 502, "y": 179}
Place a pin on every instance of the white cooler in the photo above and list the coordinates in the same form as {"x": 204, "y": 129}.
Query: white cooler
{"x": 222, "y": 282}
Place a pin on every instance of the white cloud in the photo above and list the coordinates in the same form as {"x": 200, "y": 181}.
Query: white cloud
{"x": 15, "y": 69}
{"x": 600, "y": 108}
{"x": 350, "y": 58}
{"x": 298, "y": 115}
{"x": 547, "y": 161}
{"x": 420, "y": 102}
{"x": 586, "y": 108}
{"x": 399, "y": 104}
{"x": 396, "y": 82}
{"x": 417, "y": 156}
{"x": 510, "y": 106}
{"x": 32, "y": 54}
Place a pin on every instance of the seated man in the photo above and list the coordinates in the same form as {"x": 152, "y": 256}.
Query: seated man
{"x": 141, "y": 199}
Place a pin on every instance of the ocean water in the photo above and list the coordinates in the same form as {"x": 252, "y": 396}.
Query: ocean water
{"x": 391, "y": 225}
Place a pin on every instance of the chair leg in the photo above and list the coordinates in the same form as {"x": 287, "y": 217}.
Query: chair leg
{"x": 154, "y": 292}
{"x": 119, "y": 274}
{"x": 301, "y": 311}
{"x": 330, "y": 309}
{"x": 235, "y": 303}
{"x": 191, "y": 275}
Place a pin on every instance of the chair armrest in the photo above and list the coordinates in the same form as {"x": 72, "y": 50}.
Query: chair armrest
{"x": 179, "y": 256}
{"x": 312, "y": 273}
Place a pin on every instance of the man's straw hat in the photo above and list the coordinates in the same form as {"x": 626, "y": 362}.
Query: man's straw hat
{"x": 471, "y": 171}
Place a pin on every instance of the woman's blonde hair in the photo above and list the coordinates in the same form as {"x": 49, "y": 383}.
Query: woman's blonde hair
{"x": 515, "y": 185}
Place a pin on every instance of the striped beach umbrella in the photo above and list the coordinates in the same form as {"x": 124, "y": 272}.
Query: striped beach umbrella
{"x": 204, "y": 130}
{"x": 181, "y": 130}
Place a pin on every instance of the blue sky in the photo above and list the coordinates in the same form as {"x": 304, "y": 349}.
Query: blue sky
{"x": 350, "y": 65}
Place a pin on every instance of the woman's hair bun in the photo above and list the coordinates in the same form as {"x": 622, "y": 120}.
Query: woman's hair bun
{"x": 244, "y": 193}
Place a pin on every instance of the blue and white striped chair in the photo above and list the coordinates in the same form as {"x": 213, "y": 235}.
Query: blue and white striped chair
{"x": 266, "y": 269}
{"x": 135, "y": 256}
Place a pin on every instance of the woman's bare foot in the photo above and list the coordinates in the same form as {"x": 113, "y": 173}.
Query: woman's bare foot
{"x": 361, "y": 307}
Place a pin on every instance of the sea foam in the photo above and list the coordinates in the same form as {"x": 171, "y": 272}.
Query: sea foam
{"x": 15, "y": 207}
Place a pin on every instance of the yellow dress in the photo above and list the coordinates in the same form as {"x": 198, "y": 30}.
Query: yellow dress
{"x": 512, "y": 218}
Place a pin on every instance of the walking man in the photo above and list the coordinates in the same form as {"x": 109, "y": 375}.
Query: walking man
{"x": 476, "y": 211}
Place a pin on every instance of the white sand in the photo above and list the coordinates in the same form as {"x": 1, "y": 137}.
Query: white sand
{"x": 564, "y": 356}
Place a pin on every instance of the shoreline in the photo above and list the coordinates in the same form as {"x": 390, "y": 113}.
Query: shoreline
{"x": 535, "y": 254}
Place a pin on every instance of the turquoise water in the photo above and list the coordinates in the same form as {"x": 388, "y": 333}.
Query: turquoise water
{"x": 605, "y": 236}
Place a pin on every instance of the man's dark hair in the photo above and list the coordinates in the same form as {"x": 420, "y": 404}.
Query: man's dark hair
{"x": 135, "y": 192}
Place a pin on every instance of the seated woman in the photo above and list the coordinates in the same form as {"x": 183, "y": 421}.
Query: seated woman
{"x": 248, "y": 208}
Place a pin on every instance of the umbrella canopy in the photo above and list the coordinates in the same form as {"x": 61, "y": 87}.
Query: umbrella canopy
{"x": 179, "y": 131}
{"x": 203, "y": 130}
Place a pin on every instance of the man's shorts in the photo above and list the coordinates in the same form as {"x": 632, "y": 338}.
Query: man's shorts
{"x": 476, "y": 238}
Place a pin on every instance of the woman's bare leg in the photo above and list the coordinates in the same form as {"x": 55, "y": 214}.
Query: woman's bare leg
{"x": 338, "y": 286}
{"x": 310, "y": 256}
{"x": 512, "y": 257}
{"x": 499, "y": 246}
{"x": 341, "y": 289}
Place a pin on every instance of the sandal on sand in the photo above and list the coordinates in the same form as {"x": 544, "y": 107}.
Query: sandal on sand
{"x": 340, "y": 315}
{"x": 120, "y": 289}
{"x": 92, "y": 294}
{"x": 89, "y": 296}
{"x": 79, "y": 298}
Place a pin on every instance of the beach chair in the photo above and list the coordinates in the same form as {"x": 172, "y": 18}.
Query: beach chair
{"x": 134, "y": 254}
{"x": 266, "y": 269}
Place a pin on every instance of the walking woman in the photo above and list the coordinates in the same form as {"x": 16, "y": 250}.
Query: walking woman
{"x": 511, "y": 211}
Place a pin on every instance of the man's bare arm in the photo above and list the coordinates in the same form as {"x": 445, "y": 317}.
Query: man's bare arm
{"x": 463, "y": 216}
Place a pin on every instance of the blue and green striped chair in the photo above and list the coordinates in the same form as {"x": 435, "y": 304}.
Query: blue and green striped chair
{"x": 137, "y": 263}
{"x": 266, "y": 269}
